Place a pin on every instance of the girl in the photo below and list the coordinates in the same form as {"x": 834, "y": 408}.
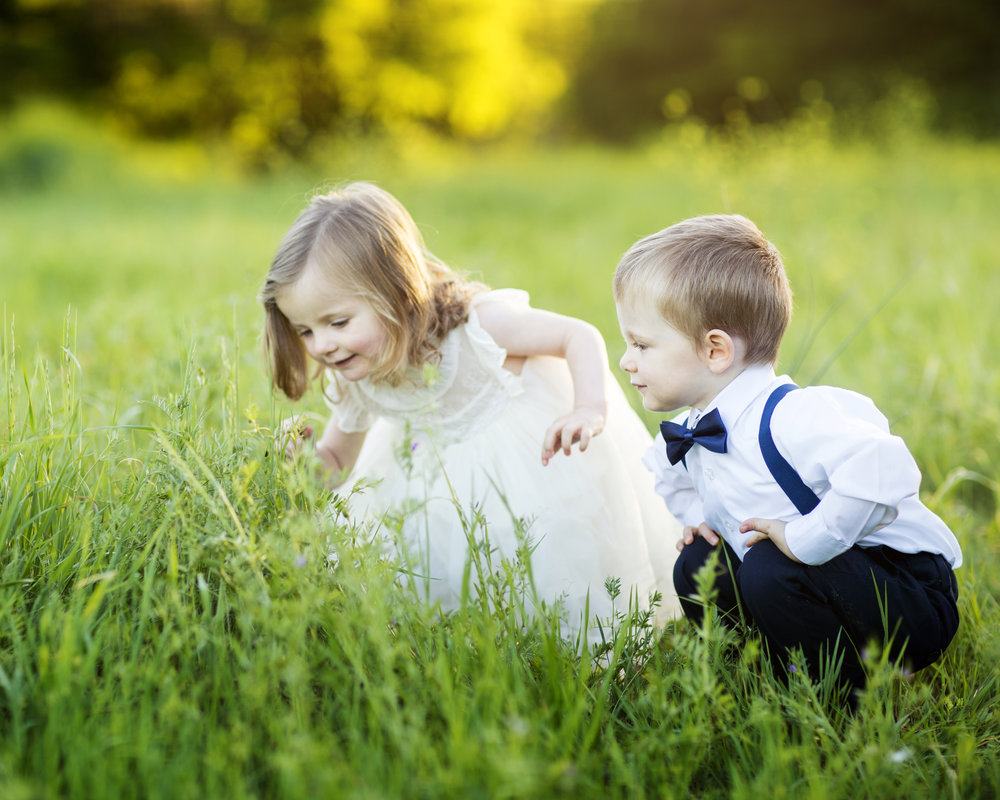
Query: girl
{"x": 449, "y": 397}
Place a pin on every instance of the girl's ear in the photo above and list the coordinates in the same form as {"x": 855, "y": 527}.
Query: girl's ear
{"x": 721, "y": 350}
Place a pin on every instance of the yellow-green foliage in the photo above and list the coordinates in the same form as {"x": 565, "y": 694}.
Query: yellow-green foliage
{"x": 271, "y": 79}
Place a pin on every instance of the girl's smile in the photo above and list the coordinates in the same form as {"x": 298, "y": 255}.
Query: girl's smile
{"x": 344, "y": 363}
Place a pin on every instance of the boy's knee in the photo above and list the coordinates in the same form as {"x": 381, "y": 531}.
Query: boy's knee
{"x": 690, "y": 560}
{"x": 760, "y": 576}
{"x": 689, "y": 563}
{"x": 683, "y": 583}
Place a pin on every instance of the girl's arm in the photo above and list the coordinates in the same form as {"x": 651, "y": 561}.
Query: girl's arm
{"x": 525, "y": 331}
{"x": 337, "y": 451}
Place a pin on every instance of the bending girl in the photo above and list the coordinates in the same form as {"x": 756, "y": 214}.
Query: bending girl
{"x": 449, "y": 397}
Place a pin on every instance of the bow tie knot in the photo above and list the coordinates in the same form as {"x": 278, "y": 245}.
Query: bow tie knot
{"x": 710, "y": 433}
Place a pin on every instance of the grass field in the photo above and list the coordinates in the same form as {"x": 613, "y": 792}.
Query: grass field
{"x": 169, "y": 623}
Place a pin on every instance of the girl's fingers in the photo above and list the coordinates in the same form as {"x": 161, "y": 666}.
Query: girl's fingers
{"x": 569, "y": 435}
{"x": 294, "y": 431}
{"x": 562, "y": 436}
{"x": 556, "y": 439}
{"x": 548, "y": 444}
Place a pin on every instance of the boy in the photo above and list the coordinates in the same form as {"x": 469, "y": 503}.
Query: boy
{"x": 816, "y": 503}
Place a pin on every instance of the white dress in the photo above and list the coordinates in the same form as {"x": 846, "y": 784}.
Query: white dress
{"x": 472, "y": 440}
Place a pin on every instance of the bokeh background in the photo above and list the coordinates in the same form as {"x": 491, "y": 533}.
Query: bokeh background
{"x": 278, "y": 80}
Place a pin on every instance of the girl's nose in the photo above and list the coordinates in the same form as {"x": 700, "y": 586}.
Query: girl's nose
{"x": 323, "y": 343}
{"x": 626, "y": 363}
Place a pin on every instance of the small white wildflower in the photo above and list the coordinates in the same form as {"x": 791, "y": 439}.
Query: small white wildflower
{"x": 899, "y": 756}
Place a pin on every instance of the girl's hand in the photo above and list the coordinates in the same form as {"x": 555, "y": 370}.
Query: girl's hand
{"x": 773, "y": 529}
{"x": 293, "y": 433}
{"x": 689, "y": 532}
{"x": 579, "y": 426}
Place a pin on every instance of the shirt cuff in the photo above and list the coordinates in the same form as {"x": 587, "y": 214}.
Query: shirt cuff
{"x": 834, "y": 527}
{"x": 808, "y": 540}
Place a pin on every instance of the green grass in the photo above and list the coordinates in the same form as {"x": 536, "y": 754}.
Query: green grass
{"x": 170, "y": 625}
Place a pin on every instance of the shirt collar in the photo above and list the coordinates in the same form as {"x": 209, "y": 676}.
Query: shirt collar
{"x": 741, "y": 391}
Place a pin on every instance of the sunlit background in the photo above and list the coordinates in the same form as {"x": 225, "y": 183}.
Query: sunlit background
{"x": 274, "y": 80}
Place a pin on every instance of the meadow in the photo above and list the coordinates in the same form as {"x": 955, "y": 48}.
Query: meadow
{"x": 170, "y": 623}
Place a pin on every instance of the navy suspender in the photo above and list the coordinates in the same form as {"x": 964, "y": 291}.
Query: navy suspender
{"x": 804, "y": 498}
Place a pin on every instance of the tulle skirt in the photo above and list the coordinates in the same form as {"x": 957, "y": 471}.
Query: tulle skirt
{"x": 583, "y": 518}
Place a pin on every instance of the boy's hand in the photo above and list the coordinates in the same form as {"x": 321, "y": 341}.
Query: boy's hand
{"x": 689, "y": 532}
{"x": 579, "y": 426}
{"x": 773, "y": 529}
{"x": 293, "y": 433}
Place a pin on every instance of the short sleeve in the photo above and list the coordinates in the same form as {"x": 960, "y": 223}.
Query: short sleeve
{"x": 490, "y": 354}
{"x": 348, "y": 407}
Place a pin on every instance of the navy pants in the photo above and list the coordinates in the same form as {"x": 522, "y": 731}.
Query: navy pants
{"x": 909, "y": 600}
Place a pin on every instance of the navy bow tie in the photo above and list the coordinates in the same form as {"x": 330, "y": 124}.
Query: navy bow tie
{"x": 710, "y": 432}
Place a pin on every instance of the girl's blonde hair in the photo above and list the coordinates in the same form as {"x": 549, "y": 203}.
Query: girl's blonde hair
{"x": 712, "y": 272}
{"x": 365, "y": 241}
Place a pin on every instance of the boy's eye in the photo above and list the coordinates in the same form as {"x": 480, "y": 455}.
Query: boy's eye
{"x": 639, "y": 346}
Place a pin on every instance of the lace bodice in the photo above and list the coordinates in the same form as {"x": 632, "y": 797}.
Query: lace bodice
{"x": 467, "y": 387}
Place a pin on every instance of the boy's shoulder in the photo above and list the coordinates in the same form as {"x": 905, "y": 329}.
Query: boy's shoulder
{"x": 814, "y": 408}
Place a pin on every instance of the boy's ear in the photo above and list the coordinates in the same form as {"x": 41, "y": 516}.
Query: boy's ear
{"x": 721, "y": 350}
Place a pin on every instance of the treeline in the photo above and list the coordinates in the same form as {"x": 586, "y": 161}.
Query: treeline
{"x": 732, "y": 60}
{"x": 275, "y": 76}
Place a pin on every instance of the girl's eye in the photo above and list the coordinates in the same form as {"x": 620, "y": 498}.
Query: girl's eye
{"x": 305, "y": 332}
{"x": 339, "y": 323}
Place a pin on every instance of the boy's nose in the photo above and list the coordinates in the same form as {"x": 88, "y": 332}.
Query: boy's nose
{"x": 626, "y": 363}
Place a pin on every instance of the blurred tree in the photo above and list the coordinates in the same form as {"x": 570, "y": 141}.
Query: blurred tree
{"x": 474, "y": 68}
{"x": 273, "y": 75}
{"x": 729, "y": 60}
{"x": 163, "y": 67}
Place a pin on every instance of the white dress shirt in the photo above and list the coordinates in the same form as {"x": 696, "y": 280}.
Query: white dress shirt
{"x": 840, "y": 445}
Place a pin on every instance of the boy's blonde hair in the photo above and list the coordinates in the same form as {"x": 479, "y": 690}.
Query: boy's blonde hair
{"x": 369, "y": 245}
{"x": 711, "y": 272}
